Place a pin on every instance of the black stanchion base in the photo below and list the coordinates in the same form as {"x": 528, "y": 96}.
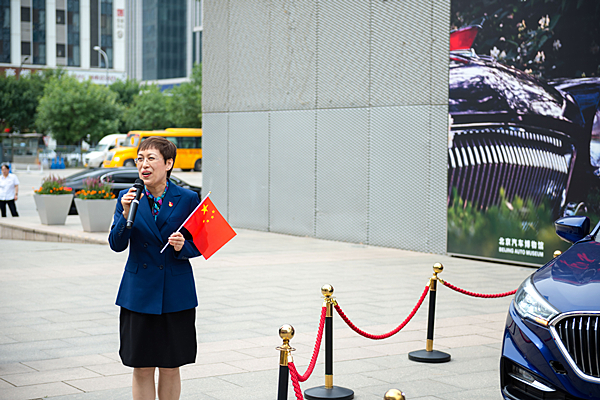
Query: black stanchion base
{"x": 336, "y": 392}
{"x": 425, "y": 356}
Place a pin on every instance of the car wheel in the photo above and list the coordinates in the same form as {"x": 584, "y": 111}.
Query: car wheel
{"x": 129, "y": 163}
{"x": 101, "y": 164}
{"x": 198, "y": 165}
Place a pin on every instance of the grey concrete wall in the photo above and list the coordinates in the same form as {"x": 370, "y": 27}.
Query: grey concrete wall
{"x": 329, "y": 118}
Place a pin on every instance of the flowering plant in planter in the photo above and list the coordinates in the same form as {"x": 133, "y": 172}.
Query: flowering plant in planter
{"x": 53, "y": 185}
{"x": 94, "y": 189}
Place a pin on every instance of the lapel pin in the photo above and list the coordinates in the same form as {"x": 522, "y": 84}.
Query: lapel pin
{"x": 170, "y": 204}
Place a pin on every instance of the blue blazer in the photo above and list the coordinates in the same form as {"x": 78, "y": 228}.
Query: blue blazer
{"x": 155, "y": 283}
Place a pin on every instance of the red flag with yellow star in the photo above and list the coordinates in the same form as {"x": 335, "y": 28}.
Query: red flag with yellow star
{"x": 210, "y": 231}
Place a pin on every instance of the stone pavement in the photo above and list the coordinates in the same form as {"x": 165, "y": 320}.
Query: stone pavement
{"x": 59, "y": 324}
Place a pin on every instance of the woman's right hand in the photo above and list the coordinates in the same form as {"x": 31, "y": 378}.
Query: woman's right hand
{"x": 127, "y": 199}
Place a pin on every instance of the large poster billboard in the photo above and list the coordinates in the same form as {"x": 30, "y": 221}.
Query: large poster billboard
{"x": 524, "y": 137}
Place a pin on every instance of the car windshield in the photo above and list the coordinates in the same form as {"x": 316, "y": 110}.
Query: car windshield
{"x": 100, "y": 147}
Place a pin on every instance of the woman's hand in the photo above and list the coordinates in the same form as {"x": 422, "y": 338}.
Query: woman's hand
{"x": 177, "y": 241}
{"x": 127, "y": 199}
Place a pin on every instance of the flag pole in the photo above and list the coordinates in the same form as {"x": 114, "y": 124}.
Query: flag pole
{"x": 186, "y": 220}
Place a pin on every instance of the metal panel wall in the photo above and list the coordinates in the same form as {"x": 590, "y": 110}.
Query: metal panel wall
{"x": 249, "y": 56}
{"x": 214, "y": 138}
{"x": 342, "y": 186}
{"x": 292, "y": 172}
{"x": 215, "y": 54}
{"x": 352, "y": 145}
{"x": 343, "y": 53}
{"x": 293, "y": 56}
{"x": 248, "y": 170}
{"x": 437, "y": 212}
{"x": 401, "y": 53}
{"x": 399, "y": 173}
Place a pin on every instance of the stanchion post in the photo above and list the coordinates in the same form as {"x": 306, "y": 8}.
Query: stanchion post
{"x": 328, "y": 391}
{"x": 394, "y": 394}
{"x": 429, "y": 355}
{"x": 286, "y": 332}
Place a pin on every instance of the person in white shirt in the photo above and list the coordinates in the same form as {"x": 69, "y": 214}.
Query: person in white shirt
{"x": 9, "y": 191}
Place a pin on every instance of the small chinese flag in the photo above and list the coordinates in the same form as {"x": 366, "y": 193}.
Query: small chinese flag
{"x": 210, "y": 231}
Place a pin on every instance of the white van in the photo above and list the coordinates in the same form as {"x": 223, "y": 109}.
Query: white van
{"x": 96, "y": 156}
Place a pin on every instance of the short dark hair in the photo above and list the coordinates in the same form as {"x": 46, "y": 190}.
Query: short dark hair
{"x": 166, "y": 148}
{"x": 5, "y": 165}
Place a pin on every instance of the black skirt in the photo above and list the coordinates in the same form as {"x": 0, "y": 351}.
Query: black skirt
{"x": 150, "y": 340}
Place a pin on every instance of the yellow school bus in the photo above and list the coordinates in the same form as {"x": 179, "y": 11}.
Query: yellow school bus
{"x": 187, "y": 140}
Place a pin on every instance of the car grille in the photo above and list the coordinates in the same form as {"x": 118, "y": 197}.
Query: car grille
{"x": 483, "y": 160}
{"x": 579, "y": 337}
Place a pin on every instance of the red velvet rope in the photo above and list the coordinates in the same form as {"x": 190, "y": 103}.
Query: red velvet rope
{"x": 294, "y": 376}
{"x": 485, "y": 296}
{"x": 313, "y": 360}
{"x": 385, "y": 335}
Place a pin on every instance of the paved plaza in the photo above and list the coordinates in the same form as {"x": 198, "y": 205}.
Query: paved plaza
{"x": 59, "y": 324}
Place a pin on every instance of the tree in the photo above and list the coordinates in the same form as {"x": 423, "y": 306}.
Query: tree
{"x": 19, "y": 98}
{"x": 70, "y": 110}
{"x": 184, "y": 104}
{"x": 126, "y": 92}
{"x": 148, "y": 110}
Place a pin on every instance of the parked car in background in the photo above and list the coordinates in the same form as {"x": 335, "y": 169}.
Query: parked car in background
{"x": 96, "y": 156}
{"x": 551, "y": 345}
{"x": 120, "y": 178}
{"x": 187, "y": 140}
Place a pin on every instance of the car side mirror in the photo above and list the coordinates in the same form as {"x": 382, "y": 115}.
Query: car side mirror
{"x": 572, "y": 229}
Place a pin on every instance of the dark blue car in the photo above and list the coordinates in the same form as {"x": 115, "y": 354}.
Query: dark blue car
{"x": 551, "y": 347}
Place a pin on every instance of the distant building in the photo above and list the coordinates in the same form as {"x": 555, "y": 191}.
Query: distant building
{"x": 164, "y": 40}
{"x": 37, "y": 34}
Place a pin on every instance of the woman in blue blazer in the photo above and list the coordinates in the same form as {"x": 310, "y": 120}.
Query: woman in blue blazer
{"x": 157, "y": 295}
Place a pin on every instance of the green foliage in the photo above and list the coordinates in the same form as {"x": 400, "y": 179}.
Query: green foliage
{"x": 71, "y": 110}
{"x": 126, "y": 92}
{"x": 184, "y": 104}
{"x": 19, "y": 98}
{"x": 148, "y": 110}
{"x": 548, "y": 38}
{"x": 477, "y": 232}
{"x": 54, "y": 185}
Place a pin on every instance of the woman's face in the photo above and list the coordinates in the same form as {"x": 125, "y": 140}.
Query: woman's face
{"x": 152, "y": 167}
{"x": 4, "y": 170}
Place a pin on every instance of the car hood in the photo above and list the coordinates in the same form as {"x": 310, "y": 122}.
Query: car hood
{"x": 571, "y": 282}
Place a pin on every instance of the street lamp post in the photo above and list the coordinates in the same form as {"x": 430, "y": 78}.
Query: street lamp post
{"x": 21, "y": 66}
{"x": 98, "y": 49}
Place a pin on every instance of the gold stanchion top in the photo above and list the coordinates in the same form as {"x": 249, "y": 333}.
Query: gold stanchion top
{"x": 286, "y": 332}
{"x": 327, "y": 290}
{"x": 394, "y": 394}
{"x": 438, "y": 268}
{"x": 557, "y": 253}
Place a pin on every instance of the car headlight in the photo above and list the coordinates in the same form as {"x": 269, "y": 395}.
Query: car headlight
{"x": 117, "y": 158}
{"x": 529, "y": 303}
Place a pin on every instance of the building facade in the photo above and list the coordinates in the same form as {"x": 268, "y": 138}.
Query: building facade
{"x": 38, "y": 34}
{"x": 164, "y": 39}
{"x": 329, "y": 118}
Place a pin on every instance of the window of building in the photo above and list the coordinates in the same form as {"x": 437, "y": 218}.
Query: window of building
{"x": 25, "y": 48}
{"x": 38, "y": 31}
{"x": 60, "y": 17}
{"x": 5, "y": 31}
{"x": 73, "y": 53}
{"x": 60, "y": 50}
{"x": 25, "y": 14}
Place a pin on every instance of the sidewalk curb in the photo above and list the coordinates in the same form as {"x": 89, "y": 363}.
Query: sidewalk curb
{"x": 13, "y": 231}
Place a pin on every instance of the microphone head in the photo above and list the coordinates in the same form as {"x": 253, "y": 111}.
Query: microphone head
{"x": 139, "y": 184}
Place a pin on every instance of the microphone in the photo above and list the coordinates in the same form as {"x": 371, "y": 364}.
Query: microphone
{"x": 139, "y": 186}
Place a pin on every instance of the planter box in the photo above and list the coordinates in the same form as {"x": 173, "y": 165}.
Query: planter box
{"x": 53, "y": 208}
{"x": 96, "y": 215}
